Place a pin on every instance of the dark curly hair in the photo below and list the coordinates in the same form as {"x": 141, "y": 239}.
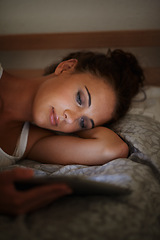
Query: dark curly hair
{"x": 120, "y": 69}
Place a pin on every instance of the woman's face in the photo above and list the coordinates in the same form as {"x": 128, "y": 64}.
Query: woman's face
{"x": 69, "y": 102}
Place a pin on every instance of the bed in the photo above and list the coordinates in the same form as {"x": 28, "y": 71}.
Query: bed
{"x": 133, "y": 214}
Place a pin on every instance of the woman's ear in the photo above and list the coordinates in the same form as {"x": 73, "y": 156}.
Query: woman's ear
{"x": 66, "y": 66}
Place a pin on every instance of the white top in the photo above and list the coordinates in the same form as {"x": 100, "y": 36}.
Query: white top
{"x": 6, "y": 159}
{"x": 1, "y": 71}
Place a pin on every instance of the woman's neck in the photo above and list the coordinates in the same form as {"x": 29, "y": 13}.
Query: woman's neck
{"x": 16, "y": 97}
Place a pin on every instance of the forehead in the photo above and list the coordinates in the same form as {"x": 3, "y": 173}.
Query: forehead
{"x": 103, "y": 99}
{"x": 91, "y": 80}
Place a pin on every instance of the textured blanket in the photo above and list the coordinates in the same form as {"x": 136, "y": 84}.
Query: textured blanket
{"x": 132, "y": 216}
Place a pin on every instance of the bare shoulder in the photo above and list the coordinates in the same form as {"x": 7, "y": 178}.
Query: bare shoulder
{"x": 35, "y": 135}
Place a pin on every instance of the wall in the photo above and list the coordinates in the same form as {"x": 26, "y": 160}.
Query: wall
{"x": 43, "y": 16}
{"x": 37, "y": 16}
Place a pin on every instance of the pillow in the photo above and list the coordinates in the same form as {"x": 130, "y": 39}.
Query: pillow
{"x": 147, "y": 103}
{"x": 142, "y": 135}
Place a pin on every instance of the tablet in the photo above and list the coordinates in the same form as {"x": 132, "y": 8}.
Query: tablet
{"x": 79, "y": 184}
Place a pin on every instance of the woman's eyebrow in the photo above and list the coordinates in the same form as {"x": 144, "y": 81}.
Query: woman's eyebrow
{"x": 89, "y": 96}
{"x": 89, "y": 104}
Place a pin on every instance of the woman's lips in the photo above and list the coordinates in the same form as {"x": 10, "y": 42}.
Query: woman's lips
{"x": 54, "y": 118}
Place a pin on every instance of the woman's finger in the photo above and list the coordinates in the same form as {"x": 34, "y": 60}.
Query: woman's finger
{"x": 42, "y": 196}
{"x": 15, "y": 174}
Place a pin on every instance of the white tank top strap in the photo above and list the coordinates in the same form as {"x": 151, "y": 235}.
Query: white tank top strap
{"x": 1, "y": 71}
{"x": 22, "y": 143}
{"x": 6, "y": 159}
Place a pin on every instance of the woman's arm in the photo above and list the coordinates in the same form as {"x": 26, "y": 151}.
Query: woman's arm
{"x": 93, "y": 147}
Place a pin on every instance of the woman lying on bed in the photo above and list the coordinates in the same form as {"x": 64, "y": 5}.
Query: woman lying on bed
{"x": 78, "y": 95}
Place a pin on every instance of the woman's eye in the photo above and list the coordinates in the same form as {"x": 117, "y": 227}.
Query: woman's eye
{"x": 82, "y": 123}
{"x": 78, "y": 98}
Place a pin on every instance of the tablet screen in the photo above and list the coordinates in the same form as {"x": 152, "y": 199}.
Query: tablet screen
{"x": 79, "y": 184}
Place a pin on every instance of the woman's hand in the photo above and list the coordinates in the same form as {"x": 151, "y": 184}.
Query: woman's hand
{"x": 16, "y": 202}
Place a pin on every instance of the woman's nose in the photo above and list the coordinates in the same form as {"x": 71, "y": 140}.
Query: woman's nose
{"x": 70, "y": 116}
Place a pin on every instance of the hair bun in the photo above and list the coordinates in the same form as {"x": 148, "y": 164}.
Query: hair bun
{"x": 126, "y": 65}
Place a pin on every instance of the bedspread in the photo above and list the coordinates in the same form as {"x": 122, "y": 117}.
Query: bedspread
{"x": 133, "y": 216}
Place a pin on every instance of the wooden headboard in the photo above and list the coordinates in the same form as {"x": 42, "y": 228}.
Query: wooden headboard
{"x": 85, "y": 40}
